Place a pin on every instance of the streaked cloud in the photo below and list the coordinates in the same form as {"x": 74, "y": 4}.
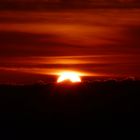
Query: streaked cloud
{"x": 95, "y": 42}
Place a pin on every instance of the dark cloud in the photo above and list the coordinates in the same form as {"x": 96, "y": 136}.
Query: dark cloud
{"x": 31, "y": 44}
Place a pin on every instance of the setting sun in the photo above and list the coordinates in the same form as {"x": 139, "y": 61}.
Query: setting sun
{"x": 73, "y": 77}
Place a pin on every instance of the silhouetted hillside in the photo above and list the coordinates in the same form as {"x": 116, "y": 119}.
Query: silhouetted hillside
{"x": 70, "y": 105}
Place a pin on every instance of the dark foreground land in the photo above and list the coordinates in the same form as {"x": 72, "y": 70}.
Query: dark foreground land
{"x": 93, "y": 103}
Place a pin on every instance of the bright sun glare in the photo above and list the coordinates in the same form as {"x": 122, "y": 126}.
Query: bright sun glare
{"x": 73, "y": 77}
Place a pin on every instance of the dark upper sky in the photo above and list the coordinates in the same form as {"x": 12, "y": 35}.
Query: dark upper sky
{"x": 54, "y": 4}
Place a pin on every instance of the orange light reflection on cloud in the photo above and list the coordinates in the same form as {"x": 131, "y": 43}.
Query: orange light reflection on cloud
{"x": 49, "y": 71}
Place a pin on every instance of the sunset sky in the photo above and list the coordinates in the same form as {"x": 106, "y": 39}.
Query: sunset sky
{"x": 37, "y": 44}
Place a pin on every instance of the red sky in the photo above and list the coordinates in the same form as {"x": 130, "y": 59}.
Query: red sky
{"x": 36, "y": 45}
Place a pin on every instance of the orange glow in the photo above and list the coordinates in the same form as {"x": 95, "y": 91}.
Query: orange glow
{"x": 73, "y": 77}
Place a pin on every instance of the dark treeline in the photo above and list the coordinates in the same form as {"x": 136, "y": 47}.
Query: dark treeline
{"x": 71, "y": 105}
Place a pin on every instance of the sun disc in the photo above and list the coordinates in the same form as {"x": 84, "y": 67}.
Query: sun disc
{"x": 70, "y": 76}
